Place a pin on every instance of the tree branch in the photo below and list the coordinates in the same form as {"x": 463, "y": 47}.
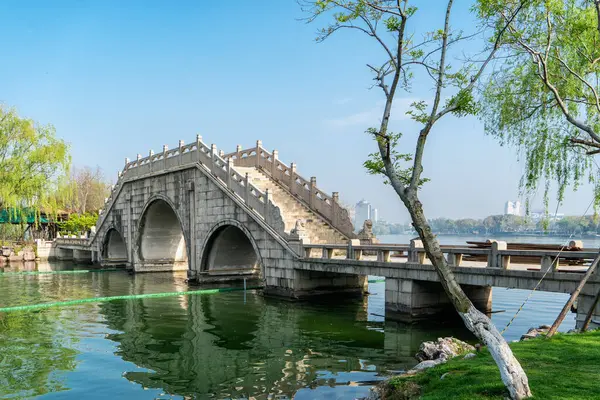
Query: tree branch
{"x": 418, "y": 160}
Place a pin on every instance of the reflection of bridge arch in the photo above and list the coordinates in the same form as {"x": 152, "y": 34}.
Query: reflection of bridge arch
{"x": 230, "y": 248}
{"x": 160, "y": 236}
{"x": 114, "y": 248}
{"x": 253, "y": 348}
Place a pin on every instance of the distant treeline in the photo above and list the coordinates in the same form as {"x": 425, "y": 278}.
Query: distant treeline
{"x": 495, "y": 224}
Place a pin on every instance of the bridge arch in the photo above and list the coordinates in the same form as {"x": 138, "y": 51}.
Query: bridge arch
{"x": 114, "y": 248}
{"x": 230, "y": 248}
{"x": 161, "y": 240}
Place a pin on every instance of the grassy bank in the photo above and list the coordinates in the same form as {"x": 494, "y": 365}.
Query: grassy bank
{"x": 564, "y": 367}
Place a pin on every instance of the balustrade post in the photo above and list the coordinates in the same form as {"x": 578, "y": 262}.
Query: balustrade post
{"x": 274, "y": 158}
{"x": 335, "y": 199}
{"x": 198, "y": 146}
{"x": 165, "y": 149}
{"x": 258, "y": 147}
{"x": 181, "y": 144}
{"x": 549, "y": 263}
{"x": 213, "y": 152}
{"x": 221, "y": 153}
{"x": 313, "y": 187}
{"x": 229, "y": 167}
{"x": 454, "y": 259}
{"x": 351, "y": 244}
{"x": 494, "y": 258}
{"x": 416, "y": 253}
{"x": 327, "y": 253}
{"x": 247, "y": 188}
{"x": 383, "y": 255}
{"x": 126, "y": 161}
{"x": 151, "y": 161}
{"x": 293, "y": 178}
{"x": 267, "y": 200}
{"x": 238, "y": 153}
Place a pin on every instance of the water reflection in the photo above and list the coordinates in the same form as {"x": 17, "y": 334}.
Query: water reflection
{"x": 33, "y": 351}
{"x": 224, "y": 347}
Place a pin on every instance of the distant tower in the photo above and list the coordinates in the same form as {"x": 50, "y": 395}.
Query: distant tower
{"x": 362, "y": 213}
{"x": 374, "y": 215}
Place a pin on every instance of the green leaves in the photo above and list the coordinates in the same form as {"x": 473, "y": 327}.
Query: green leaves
{"x": 77, "y": 223}
{"x": 392, "y": 23}
{"x": 464, "y": 102}
{"x": 546, "y": 89}
{"x": 375, "y": 164}
{"x": 31, "y": 159}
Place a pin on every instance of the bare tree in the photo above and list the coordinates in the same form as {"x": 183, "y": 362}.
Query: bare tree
{"x": 386, "y": 22}
{"x": 84, "y": 190}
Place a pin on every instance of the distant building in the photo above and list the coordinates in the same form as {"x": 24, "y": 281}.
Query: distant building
{"x": 540, "y": 214}
{"x": 362, "y": 213}
{"x": 374, "y": 215}
{"x": 512, "y": 208}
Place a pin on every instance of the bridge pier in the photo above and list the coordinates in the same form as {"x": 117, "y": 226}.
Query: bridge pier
{"x": 62, "y": 254}
{"x": 82, "y": 256}
{"x": 313, "y": 283}
{"x": 305, "y": 284}
{"x": 407, "y": 300}
{"x": 584, "y": 303}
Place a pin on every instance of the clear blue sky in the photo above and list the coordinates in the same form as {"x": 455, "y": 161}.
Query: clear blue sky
{"x": 117, "y": 78}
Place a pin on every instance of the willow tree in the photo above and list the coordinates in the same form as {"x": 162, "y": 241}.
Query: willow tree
{"x": 388, "y": 23}
{"x": 31, "y": 160}
{"x": 543, "y": 96}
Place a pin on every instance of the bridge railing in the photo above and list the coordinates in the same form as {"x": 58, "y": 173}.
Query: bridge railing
{"x": 305, "y": 190}
{"x": 495, "y": 256}
{"x": 186, "y": 155}
{"x": 71, "y": 241}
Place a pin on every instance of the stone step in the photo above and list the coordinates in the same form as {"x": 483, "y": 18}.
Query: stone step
{"x": 317, "y": 230}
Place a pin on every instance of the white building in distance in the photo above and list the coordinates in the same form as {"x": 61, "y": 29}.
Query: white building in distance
{"x": 512, "y": 208}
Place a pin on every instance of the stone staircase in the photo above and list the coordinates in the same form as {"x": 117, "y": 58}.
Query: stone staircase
{"x": 292, "y": 209}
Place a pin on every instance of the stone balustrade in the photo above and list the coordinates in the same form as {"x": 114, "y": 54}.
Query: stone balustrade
{"x": 68, "y": 241}
{"x": 207, "y": 157}
{"x": 497, "y": 255}
{"x": 305, "y": 190}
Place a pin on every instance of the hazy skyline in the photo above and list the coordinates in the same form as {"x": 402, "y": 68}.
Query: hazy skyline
{"x": 121, "y": 78}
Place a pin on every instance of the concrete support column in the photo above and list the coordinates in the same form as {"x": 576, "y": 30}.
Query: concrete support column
{"x": 64, "y": 254}
{"x": 584, "y": 303}
{"x": 313, "y": 283}
{"x": 82, "y": 256}
{"x": 190, "y": 186}
{"x": 129, "y": 245}
{"x": 407, "y": 300}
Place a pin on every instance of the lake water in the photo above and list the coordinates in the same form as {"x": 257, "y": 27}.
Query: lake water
{"x": 231, "y": 345}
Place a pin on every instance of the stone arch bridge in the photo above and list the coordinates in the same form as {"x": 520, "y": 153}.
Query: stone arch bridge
{"x": 218, "y": 216}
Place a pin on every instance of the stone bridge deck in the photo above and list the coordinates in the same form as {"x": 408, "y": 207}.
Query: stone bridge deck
{"x": 412, "y": 284}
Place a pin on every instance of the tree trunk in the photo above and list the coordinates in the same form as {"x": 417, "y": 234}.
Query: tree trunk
{"x": 479, "y": 324}
{"x": 572, "y": 298}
